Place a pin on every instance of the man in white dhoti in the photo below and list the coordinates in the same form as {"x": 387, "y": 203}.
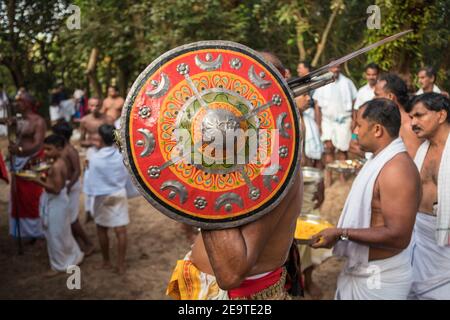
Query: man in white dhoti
{"x": 63, "y": 250}
{"x": 106, "y": 179}
{"x": 70, "y": 155}
{"x": 376, "y": 224}
{"x": 431, "y": 250}
{"x": 311, "y": 114}
{"x": 336, "y": 101}
{"x": 89, "y": 125}
{"x": 367, "y": 92}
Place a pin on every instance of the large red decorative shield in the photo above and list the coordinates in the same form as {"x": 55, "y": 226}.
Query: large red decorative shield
{"x": 211, "y": 135}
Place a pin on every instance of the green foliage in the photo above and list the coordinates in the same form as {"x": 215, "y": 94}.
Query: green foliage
{"x": 40, "y": 49}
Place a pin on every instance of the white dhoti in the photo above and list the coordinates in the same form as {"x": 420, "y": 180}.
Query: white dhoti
{"x": 430, "y": 262}
{"x": 63, "y": 250}
{"x": 111, "y": 210}
{"x": 387, "y": 279}
{"x": 55, "y": 113}
{"x": 89, "y": 198}
{"x": 313, "y": 144}
{"x": 338, "y": 131}
{"x": 74, "y": 201}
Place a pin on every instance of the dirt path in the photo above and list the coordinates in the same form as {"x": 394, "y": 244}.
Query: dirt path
{"x": 154, "y": 244}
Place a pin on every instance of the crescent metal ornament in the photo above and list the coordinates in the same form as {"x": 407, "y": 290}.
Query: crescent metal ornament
{"x": 206, "y": 128}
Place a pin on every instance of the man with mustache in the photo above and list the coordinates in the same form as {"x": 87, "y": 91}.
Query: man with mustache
{"x": 392, "y": 87}
{"x": 430, "y": 119}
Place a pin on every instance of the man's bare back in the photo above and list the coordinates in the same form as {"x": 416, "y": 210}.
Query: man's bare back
{"x": 278, "y": 229}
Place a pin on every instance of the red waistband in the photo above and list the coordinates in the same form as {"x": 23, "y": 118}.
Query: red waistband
{"x": 250, "y": 287}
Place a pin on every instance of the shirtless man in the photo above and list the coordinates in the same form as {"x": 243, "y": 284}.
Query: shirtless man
{"x": 225, "y": 259}
{"x": 90, "y": 123}
{"x": 63, "y": 251}
{"x": 27, "y": 151}
{"x": 377, "y": 221}
{"x": 430, "y": 114}
{"x": 70, "y": 155}
{"x": 392, "y": 87}
{"x": 112, "y": 105}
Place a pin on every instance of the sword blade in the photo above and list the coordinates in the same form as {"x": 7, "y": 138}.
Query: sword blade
{"x": 301, "y": 80}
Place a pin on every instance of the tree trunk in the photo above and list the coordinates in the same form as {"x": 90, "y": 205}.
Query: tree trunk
{"x": 91, "y": 72}
{"x": 324, "y": 38}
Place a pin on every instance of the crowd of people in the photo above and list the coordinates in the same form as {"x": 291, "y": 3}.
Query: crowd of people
{"x": 396, "y": 218}
{"x": 46, "y": 205}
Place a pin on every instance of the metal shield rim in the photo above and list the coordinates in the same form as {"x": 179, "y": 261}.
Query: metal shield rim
{"x": 209, "y": 224}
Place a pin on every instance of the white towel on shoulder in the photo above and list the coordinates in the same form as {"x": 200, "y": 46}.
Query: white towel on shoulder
{"x": 357, "y": 210}
{"x": 443, "y": 191}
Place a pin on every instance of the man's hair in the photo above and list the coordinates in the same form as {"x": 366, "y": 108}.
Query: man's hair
{"x": 106, "y": 132}
{"x": 429, "y": 71}
{"x": 432, "y": 101}
{"x": 273, "y": 59}
{"x": 373, "y": 66}
{"x": 114, "y": 87}
{"x": 55, "y": 140}
{"x": 307, "y": 64}
{"x": 384, "y": 112}
{"x": 64, "y": 129}
{"x": 396, "y": 85}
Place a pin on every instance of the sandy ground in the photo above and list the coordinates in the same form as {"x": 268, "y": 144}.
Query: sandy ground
{"x": 155, "y": 242}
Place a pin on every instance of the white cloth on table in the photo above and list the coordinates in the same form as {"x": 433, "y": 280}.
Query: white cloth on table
{"x": 74, "y": 201}
{"x": 364, "y": 94}
{"x": 63, "y": 250}
{"x": 313, "y": 144}
{"x": 111, "y": 210}
{"x": 443, "y": 191}
{"x": 435, "y": 90}
{"x": 430, "y": 262}
{"x": 386, "y": 279}
{"x": 357, "y": 210}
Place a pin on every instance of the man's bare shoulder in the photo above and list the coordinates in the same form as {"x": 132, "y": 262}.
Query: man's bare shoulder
{"x": 399, "y": 170}
{"x": 87, "y": 118}
{"x": 37, "y": 119}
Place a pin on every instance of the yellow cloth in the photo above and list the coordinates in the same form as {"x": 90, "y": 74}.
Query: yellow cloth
{"x": 189, "y": 283}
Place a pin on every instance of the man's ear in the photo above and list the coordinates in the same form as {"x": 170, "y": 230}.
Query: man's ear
{"x": 443, "y": 114}
{"x": 378, "y": 130}
{"x": 392, "y": 97}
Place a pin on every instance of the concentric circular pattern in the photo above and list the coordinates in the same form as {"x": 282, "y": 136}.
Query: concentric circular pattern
{"x": 210, "y": 135}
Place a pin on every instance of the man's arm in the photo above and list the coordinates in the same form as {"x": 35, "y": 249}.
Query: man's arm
{"x": 54, "y": 182}
{"x": 75, "y": 161}
{"x": 399, "y": 204}
{"x": 234, "y": 252}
